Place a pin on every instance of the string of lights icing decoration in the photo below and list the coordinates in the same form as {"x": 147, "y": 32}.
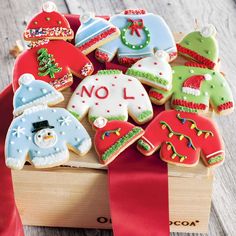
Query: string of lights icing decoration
{"x": 135, "y": 26}
{"x": 194, "y": 126}
{"x": 181, "y": 136}
{"x": 175, "y": 153}
{"x": 107, "y": 133}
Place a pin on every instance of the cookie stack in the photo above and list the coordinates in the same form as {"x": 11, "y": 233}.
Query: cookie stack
{"x": 140, "y": 43}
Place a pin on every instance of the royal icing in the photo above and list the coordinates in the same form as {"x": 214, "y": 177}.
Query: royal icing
{"x": 41, "y": 134}
{"x": 94, "y": 32}
{"x": 53, "y": 62}
{"x": 140, "y": 37}
{"x": 112, "y": 95}
{"x": 154, "y": 71}
{"x": 182, "y": 138}
{"x": 201, "y": 46}
{"x": 48, "y": 24}
{"x": 196, "y": 89}
{"x": 113, "y": 137}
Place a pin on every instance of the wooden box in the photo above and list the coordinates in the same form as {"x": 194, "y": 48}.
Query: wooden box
{"x": 76, "y": 195}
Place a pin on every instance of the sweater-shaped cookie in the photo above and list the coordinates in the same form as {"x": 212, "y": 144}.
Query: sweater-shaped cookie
{"x": 113, "y": 137}
{"x": 182, "y": 138}
{"x": 154, "y": 71}
{"x": 112, "y": 95}
{"x": 201, "y": 46}
{"x": 142, "y": 33}
{"x": 196, "y": 89}
{"x": 42, "y": 135}
{"x": 48, "y": 24}
{"x": 52, "y": 61}
{"x": 94, "y": 32}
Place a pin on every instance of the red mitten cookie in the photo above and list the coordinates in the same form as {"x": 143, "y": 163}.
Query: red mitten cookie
{"x": 182, "y": 138}
{"x": 113, "y": 137}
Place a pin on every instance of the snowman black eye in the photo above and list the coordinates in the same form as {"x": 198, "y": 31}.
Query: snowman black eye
{"x": 49, "y": 133}
{"x": 39, "y": 136}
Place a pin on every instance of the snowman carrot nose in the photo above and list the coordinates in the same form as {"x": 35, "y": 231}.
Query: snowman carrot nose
{"x": 48, "y": 137}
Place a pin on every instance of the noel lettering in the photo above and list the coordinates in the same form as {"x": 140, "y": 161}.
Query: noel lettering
{"x": 102, "y": 92}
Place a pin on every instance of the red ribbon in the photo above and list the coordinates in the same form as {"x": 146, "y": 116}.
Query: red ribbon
{"x": 135, "y": 26}
{"x": 10, "y": 223}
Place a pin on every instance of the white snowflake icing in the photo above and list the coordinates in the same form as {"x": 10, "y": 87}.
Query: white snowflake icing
{"x": 64, "y": 120}
{"x": 18, "y": 131}
{"x": 86, "y": 69}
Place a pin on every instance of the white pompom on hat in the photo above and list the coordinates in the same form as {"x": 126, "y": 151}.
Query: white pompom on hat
{"x": 100, "y": 122}
{"x": 208, "y": 31}
{"x": 49, "y": 7}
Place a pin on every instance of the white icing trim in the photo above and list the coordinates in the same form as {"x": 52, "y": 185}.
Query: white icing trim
{"x": 134, "y": 54}
{"x": 162, "y": 55}
{"x": 26, "y": 79}
{"x": 214, "y": 153}
{"x": 52, "y": 97}
{"x": 85, "y": 17}
{"x": 207, "y": 77}
{"x": 52, "y": 159}
{"x": 35, "y": 109}
{"x": 14, "y": 163}
{"x": 192, "y": 91}
{"x": 100, "y": 122}
{"x": 208, "y": 31}
{"x": 91, "y": 35}
{"x": 85, "y": 146}
{"x": 104, "y": 51}
{"x": 147, "y": 141}
{"x": 49, "y": 7}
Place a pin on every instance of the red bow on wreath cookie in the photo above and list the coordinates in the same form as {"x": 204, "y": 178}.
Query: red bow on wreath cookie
{"x": 135, "y": 26}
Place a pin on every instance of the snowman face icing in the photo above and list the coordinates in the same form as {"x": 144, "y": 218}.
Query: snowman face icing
{"x": 45, "y": 138}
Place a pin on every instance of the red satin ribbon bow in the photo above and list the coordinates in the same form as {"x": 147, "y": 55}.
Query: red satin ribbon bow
{"x": 135, "y": 26}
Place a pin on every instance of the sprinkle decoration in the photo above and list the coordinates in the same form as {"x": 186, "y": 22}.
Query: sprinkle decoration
{"x": 170, "y": 146}
{"x": 164, "y": 125}
{"x": 134, "y": 26}
{"x": 109, "y": 132}
{"x": 207, "y": 133}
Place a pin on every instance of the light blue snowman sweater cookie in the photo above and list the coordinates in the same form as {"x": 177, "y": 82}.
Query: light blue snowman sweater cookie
{"x": 141, "y": 35}
{"x": 42, "y": 135}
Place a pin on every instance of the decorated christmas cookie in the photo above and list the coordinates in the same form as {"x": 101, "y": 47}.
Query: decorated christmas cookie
{"x": 142, "y": 33}
{"x": 196, "y": 90}
{"x": 154, "y": 71}
{"x": 201, "y": 46}
{"x": 182, "y": 138}
{"x": 52, "y": 61}
{"x": 112, "y": 95}
{"x": 48, "y": 24}
{"x": 94, "y": 32}
{"x": 113, "y": 137}
{"x": 42, "y": 135}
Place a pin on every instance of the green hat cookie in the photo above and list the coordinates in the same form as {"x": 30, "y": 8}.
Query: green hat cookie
{"x": 201, "y": 46}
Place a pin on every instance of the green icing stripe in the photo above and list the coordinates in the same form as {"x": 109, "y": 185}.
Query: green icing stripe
{"x": 121, "y": 142}
{"x": 215, "y": 159}
{"x": 144, "y": 115}
{"x": 143, "y": 145}
{"x": 76, "y": 115}
{"x": 186, "y": 109}
{"x": 93, "y": 118}
{"x": 146, "y": 75}
{"x": 109, "y": 72}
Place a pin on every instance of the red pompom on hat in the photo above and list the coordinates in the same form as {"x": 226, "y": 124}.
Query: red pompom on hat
{"x": 192, "y": 85}
{"x": 48, "y": 24}
{"x": 113, "y": 137}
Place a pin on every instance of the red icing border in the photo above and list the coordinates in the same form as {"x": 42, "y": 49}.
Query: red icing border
{"x": 210, "y": 64}
{"x": 97, "y": 38}
{"x": 194, "y": 64}
{"x": 128, "y": 61}
{"x": 225, "y": 106}
{"x": 102, "y": 56}
{"x": 156, "y": 95}
{"x": 192, "y": 105}
{"x": 135, "y": 12}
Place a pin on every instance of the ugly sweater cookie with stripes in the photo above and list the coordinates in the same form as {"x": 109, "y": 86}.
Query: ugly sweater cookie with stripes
{"x": 183, "y": 138}
{"x": 54, "y": 61}
{"x": 142, "y": 33}
{"x": 197, "y": 90}
{"x": 112, "y": 95}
